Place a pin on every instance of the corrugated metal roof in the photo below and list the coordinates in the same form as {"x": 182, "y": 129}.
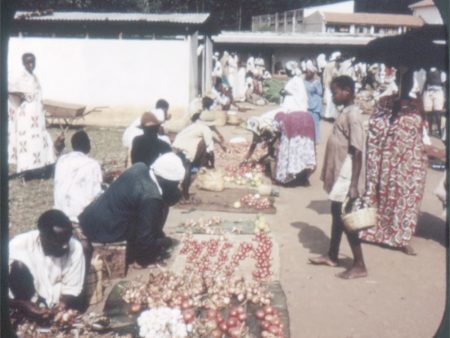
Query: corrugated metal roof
{"x": 423, "y": 3}
{"x": 179, "y": 18}
{"x": 273, "y": 38}
{"x": 373, "y": 19}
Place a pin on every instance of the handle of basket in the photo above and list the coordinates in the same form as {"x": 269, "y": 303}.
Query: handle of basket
{"x": 344, "y": 205}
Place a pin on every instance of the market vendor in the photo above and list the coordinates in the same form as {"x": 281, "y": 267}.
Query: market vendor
{"x": 262, "y": 128}
{"x": 161, "y": 112}
{"x": 78, "y": 178}
{"x": 195, "y": 145}
{"x": 135, "y": 207}
{"x": 147, "y": 147}
{"x": 46, "y": 268}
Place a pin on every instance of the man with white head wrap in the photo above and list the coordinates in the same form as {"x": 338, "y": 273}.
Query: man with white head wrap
{"x": 135, "y": 208}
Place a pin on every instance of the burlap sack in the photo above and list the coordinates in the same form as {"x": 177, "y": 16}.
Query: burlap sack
{"x": 210, "y": 179}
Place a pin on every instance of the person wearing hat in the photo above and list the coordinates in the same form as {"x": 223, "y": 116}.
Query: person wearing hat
{"x": 135, "y": 207}
{"x": 195, "y": 145}
{"x": 161, "y": 112}
{"x": 147, "y": 147}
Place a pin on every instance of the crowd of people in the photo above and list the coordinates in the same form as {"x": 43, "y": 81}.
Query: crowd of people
{"x": 383, "y": 163}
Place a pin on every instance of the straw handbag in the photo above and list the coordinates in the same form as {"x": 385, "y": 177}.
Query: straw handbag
{"x": 361, "y": 219}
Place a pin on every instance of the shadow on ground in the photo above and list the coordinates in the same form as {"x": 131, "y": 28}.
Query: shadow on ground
{"x": 317, "y": 241}
{"x": 321, "y": 207}
{"x": 432, "y": 227}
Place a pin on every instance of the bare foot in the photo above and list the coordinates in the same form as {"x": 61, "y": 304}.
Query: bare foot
{"x": 353, "y": 272}
{"x": 323, "y": 260}
{"x": 409, "y": 250}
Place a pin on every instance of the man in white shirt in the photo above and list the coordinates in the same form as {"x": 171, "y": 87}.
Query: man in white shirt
{"x": 46, "y": 266}
{"x": 78, "y": 178}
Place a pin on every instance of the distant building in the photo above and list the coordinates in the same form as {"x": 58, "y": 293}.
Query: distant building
{"x": 278, "y": 48}
{"x": 360, "y": 23}
{"x": 291, "y": 21}
{"x": 115, "y": 59}
{"x": 427, "y": 11}
{"x": 339, "y": 17}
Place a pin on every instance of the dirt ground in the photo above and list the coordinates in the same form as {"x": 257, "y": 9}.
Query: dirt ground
{"x": 403, "y": 296}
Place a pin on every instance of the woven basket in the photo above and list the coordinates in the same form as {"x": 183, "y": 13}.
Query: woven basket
{"x": 358, "y": 220}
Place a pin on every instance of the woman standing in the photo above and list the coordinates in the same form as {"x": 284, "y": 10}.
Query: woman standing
{"x": 30, "y": 146}
{"x": 296, "y": 155}
{"x": 396, "y": 168}
{"x": 315, "y": 91}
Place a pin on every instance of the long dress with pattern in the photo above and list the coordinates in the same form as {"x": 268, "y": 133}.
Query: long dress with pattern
{"x": 29, "y": 145}
{"x": 396, "y": 172}
{"x": 297, "y": 149}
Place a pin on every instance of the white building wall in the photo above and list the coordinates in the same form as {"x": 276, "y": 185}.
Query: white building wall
{"x": 339, "y": 7}
{"x": 430, "y": 15}
{"x": 313, "y": 23}
{"x": 107, "y": 72}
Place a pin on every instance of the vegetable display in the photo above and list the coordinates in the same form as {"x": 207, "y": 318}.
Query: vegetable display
{"x": 255, "y": 201}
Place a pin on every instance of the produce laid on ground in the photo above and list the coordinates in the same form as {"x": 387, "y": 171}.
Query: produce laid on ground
{"x": 218, "y": 226}
{"x": 63, "y": 324}
{"x": 209, "y": 298}
{"x": 221, "y": 256}
{"x": 245, "y": 173}
{"x": 191, "y": 305}
{"x": 235, "y": 152}
{"x": 255, "y": 201}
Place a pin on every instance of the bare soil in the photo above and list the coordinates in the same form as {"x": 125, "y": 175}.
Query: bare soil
{"x": 403, "y": 296}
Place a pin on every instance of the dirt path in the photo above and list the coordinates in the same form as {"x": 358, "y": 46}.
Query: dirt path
{"x": 403, "y": 296}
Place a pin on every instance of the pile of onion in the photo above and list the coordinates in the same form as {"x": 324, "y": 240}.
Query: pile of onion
{"x": 270, "y": 322}
{"x": 255, "y": 201}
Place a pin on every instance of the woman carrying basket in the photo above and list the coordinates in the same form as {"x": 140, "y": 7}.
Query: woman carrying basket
{"x": 342, "y": 174}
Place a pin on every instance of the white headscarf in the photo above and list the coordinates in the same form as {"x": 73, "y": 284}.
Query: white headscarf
{"x": 291, "y": 66}
{"x": 169, "y": 167}
{"x": 310, "y": 66}
{"x": 334, "y": 56}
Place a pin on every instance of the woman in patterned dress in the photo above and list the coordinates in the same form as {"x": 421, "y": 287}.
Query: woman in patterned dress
{"x": 396, "y": 169}
{"x": 30, "y": 146}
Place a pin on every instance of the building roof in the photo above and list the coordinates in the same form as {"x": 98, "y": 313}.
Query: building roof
{"x": 175, "y": 18}
{"x": 372, "y": 19}
{"x": 273, "y": 38}
{"x": 423, "y": 3}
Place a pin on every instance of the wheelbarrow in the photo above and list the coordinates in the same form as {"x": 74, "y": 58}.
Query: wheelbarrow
{"x": 65, "y": 114}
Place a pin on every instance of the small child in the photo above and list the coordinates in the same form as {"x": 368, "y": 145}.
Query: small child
{"x": 342, "y": 174}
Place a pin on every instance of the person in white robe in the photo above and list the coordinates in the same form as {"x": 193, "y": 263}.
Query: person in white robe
{"x": 233, "y": 66}
{"x": 330, "y": 72}
{"x": 78, "y": 178}
{"x": 46, "y": 267}
{"x": 294, "y": 92}
{"x": 30, "y": 146}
